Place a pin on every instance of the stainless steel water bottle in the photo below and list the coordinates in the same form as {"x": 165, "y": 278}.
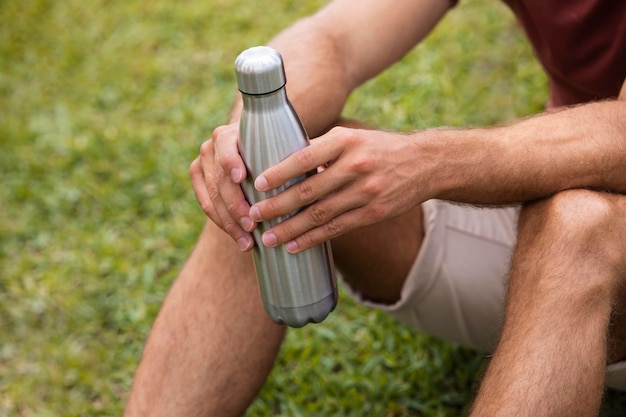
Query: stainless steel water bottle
{"x": 296, "y": 289}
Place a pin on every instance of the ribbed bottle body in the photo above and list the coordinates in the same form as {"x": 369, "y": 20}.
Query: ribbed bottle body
{"x": 296, "y": 289}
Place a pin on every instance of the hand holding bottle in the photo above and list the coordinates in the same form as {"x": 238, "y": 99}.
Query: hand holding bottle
{"x": 371, "y": 176}
{"x": 216, "y": 175}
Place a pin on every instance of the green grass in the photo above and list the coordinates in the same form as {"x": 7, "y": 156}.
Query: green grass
{"x": 104, "y": 104}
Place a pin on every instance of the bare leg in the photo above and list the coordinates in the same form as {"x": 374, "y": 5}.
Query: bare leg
{"x": 565, "y": 280}
{"x": 375, "y": 260}
{"x": 212, "y": 345}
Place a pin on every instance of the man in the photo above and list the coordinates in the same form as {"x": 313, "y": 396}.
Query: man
{"x": 399, "y": 245}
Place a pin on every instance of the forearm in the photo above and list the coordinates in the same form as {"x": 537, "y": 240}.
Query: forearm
{"x": 580, "y": 147}
{"x": 317, "y": 81}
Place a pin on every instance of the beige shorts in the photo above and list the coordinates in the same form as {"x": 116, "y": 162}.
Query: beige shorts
{"x": 456, "y": 287}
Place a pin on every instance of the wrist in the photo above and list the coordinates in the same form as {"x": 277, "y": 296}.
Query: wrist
{"x": 437, "y": 174}
{"x": 456, "y": 163}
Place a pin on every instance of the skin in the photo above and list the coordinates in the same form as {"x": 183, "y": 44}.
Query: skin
{"x": 333, "y": 58}
{"x": 373, "y": 175}
{"x": 212, "y": 346}
{"x": 565, "y": 290}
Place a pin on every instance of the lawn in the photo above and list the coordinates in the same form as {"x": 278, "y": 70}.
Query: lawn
{"x": 103, "y": 105}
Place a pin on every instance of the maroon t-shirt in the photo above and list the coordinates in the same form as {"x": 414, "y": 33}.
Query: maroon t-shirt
{"x": 580, "y": 43}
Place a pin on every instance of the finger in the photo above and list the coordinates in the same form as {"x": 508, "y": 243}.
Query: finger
{"x": 210, "y": 198}
{"x": 227, "y": 222}
{"x": 335, "y": 228}
{"x": 299, "y": 195}
{"x": 200, "y": 189}
{"x": 233, "y": 200}
{"x": 227, "y": 153}
{"x": 321, "y": 151}
{"x": 226, "y": 196}
{"x": 237, "y": 233}
{"x": 315, "y": 216}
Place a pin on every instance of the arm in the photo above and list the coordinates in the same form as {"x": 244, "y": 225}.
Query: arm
{"x": 326, "y": 57}
{"x": 348, "y": 42}
{"x": 378, "y": 175}
{"x": 580, "y": 147}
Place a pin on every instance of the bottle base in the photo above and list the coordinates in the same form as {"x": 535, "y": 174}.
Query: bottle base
{"x": 300, "y": 316}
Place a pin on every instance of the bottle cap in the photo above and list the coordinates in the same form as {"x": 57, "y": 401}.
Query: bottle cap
{"x": 260, "y": 70}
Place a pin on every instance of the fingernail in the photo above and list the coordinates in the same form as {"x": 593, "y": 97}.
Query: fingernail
{"x": 235, "y": 175}
{"x": 247, "y": 223}
{"x": 269, "y": 239}
{"x": 261, "y": 183}
{"x": 243, "y": 243}
{"x": 291, "y": 246}
{"x": 255, "y": 214}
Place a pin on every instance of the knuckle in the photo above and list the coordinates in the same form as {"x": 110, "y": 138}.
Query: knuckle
{"x": 349, "y": 136}
{"x": 335, "y": 227}
{"x": 338, "y": 130}
{"x": 230, "y": 227}
{"x": 218, "y": 131}
{"x": 219, "y": 176}
{"x": 210, "y": 212}
{"x": 206, "y": 149}
{"x": 305, "y": 192}
{"x": 317, "y": 215}
{"x": 377, "y": 212}
{"x": 270, "y": 209}
{"x": 224, "y": 143}
{"x": 305, "y": 157}
{"x": 362, "y": 164}
{"x": 307, "y": 241}
{"x": 228, "y": 159}
{"x": 287, "y": 229}
{"x": 214, "y": 194}
{"x": 372, "y": 186}
{"x": 207, "y": 207}
{"x": 234, "y": 207}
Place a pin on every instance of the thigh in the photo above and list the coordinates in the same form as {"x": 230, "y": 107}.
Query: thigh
{"x": 375, "y": 260}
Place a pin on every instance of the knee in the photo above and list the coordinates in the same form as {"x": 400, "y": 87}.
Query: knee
{"x": 580, "y": 230}
{"x": 585, "y": 220}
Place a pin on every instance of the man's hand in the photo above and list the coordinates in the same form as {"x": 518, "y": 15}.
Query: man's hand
{"x": 215, "y": 176}
{"x": 371, "y": 176}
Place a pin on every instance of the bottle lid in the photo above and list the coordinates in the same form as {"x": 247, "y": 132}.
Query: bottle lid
{"x": 260, "y": 70}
